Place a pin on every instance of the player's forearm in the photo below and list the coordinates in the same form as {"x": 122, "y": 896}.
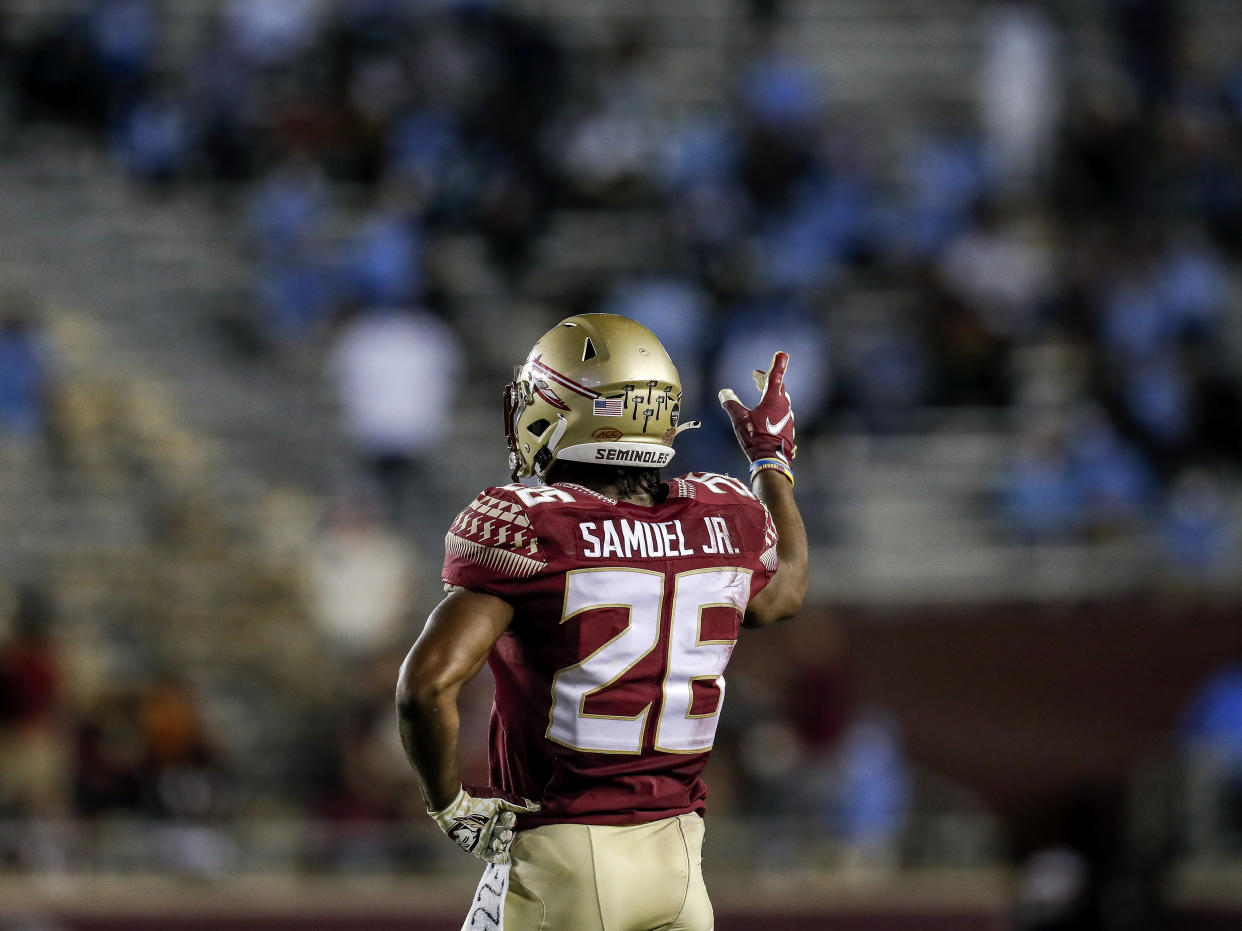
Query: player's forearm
{"x": 792, "y": 579}
{"x": 428, "y": 721}
{"x": 451, "y": 650}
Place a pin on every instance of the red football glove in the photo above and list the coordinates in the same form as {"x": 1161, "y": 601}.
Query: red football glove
{"x": 767, "y": 430}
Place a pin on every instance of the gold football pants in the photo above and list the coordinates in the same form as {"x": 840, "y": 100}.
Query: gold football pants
{"x": 582, "y": 877}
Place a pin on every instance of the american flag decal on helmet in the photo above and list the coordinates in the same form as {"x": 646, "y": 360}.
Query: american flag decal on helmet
{"x": 608, "y": 407}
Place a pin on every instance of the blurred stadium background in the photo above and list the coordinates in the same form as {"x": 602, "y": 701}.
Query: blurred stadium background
{"x": 265, "y": 265}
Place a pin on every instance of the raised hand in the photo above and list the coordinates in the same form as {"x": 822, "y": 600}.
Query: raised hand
{"x": 765, "y": 431}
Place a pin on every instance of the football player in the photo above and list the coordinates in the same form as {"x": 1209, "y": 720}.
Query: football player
{"x": 607, "y": 602}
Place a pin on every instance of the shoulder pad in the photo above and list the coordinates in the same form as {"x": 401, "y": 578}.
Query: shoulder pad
{"x": 494, "y": 532}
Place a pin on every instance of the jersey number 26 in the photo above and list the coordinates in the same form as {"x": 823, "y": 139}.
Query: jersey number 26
{"x": 690, "y": 658}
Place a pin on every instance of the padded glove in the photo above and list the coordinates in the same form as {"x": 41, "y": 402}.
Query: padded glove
{"x": 482, "y": 824}
{"x": 767, "y": 430}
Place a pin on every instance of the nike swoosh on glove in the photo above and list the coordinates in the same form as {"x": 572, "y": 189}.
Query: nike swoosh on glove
{"x": 767, "y": 429}
{"x": 482, "y": 824}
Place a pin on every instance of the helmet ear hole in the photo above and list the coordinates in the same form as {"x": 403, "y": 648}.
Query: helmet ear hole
{"x": 539, "y": 427}
{"x": 588, "y": 350}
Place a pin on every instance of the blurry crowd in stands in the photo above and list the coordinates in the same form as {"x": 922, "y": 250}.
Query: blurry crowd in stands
{"x": 1065, "y": 259}
{"x": 137, "y": 747}
{"x": 1063, "y": 256}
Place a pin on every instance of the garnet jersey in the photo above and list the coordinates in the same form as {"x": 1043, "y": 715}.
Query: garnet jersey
{"x": 609, "y": 679}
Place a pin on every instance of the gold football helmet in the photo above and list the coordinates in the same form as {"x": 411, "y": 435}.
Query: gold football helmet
{"x": 595, "y": 388}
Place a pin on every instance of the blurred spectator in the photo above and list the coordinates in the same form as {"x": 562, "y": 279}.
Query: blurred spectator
{"x": 781, "y": 105}
{"x": 25, "y": 369}
{"x": 396, "y": 372}
{"x": 1053, "y": 892}
{"x": 153, "y": 140}
{"x": 361, "y": 579}
{"x": 1158, "y": 399}
{"x": 271, "y": 33}
{"x": 1002, "y": 270}
{"x": 887, "y": 376}
{"x": 610, "y": 151}
{"x": 701, "y": 149}
{"x": 1084, "y": 876}
{"x": 33, "y": 752}
{"x": 123, "y": 34}
{"x": 288, "y": 209}
{"x": 944, "y": 179}
{"x": 698, "y": 171}
{"x": 1192, "y": 280}
{"x": 815, "y": 656}
{"x": 185, "y": 766}
{"x": 1213, "y": 716}
{"x": 1196, "y": 534}
{"x": 1039, "y": 499}
{"x": 425, "y": 149}
{"x": 384, "y": 263}
{"x": 1134, "y": 326}
{"x": 294, "y": 296}
{"x": 1211, "y": 731}
{"x": 295, "y": 288}
{"x": 145, "y": 750}
{"x": 803, "y": 246}
{"x": 875, "y": 793}
{"x": 220, "y": 86}
{"x": 1112, "y": 483}
{"x": 109, "y": 758}
{"x": 1020, "y": 90}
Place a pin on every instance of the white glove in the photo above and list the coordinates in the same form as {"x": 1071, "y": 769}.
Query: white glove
{"x": 481, "y": 825}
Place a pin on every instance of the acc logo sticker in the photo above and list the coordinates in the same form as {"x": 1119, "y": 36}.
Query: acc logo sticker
{"x": 606, "y": 434}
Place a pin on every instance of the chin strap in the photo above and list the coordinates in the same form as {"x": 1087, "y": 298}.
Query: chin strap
{"x": 558, "y": 431}
{"x": 688, "y": 425}
{"x": 547, "y": 451}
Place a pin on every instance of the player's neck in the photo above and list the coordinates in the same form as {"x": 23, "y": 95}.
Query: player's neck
{"x": 608, "y": 490}
{"x": 607, "y": 484}
{"x": 616, "y": 493}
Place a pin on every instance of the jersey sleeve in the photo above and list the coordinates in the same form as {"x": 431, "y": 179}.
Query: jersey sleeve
{"x": 767, "y": 556}
{"x": 492, "y": 546}
{"x": 763, "y": 548}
